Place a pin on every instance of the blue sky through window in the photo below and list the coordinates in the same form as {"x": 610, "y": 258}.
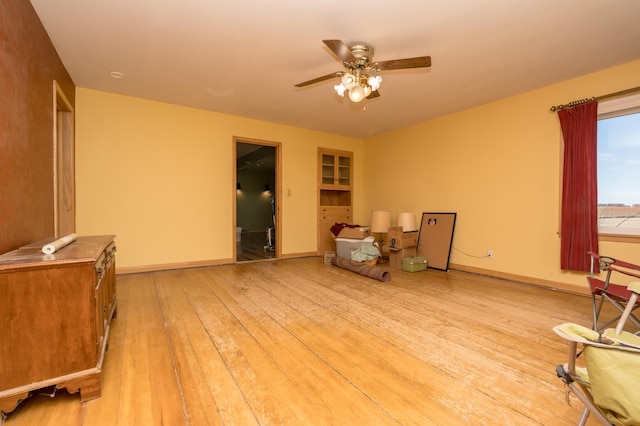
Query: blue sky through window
{"x": 619, "y": 160}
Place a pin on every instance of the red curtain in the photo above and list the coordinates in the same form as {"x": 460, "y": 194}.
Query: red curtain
{"x": 579, "y": 223}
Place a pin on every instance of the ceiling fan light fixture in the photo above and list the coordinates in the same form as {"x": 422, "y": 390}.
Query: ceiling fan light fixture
{"x": 358, "y": 62}
{"x": 340, "y": 89}
{"x": 349, "y": 81}
{"x": 374, "y": 82}
{"x": 356, "y": 94}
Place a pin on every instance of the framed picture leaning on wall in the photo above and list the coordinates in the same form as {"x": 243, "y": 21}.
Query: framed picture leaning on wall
{"x": 435, "y": 239}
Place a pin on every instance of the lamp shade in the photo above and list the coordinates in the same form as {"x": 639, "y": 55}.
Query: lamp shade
{"x": 349, "y": 80}
{"x": 407, "y": 221}
{"x": 380, "y": 220}
{"x": 356, "y": 93}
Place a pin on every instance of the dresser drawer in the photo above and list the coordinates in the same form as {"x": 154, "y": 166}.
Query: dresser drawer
{"x": 335, "y": 218}
{"x": 335, "y": 214}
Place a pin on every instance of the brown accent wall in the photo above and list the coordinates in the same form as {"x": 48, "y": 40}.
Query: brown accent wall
{"x": 28, "y": 66}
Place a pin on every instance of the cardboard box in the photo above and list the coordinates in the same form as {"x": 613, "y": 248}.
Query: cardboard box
{"x": 396, "y": 256}
{"x": 414, "y": 263}
{"x": 359, "y": 233}
{"x": 399, "y": 240}
{"x": 345, "y": 246}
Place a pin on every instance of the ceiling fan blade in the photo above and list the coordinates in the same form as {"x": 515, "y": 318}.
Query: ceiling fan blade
{"x": 374, "y": 94}
{"x": 398, "y": 64}
{"x": 319, "y": 79}
{"x": 341, "y": 50}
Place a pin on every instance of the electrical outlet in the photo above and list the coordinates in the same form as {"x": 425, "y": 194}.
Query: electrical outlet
{"x": 490, "y": 253}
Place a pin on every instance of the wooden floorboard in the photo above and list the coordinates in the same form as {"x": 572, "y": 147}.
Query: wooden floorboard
{"x": 297, "y": 342}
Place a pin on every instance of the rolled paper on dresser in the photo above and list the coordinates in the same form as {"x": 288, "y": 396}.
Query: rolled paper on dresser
{"x": 58, "y": 244}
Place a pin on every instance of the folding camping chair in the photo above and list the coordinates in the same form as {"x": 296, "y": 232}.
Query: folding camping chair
{"x": 605, "y": 290}
{"x": 609, "y": 382}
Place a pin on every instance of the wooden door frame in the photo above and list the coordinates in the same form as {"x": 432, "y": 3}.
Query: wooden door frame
{"x": 64, "y": 196}
{"x": 277, "y": 189}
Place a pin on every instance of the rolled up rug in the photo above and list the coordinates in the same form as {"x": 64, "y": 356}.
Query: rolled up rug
{"x": 362, "y": 269}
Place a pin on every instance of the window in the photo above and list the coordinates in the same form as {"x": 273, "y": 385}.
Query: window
{"x": 619, "y": 166}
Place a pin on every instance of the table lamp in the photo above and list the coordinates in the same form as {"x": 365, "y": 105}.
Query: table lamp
{"x": 407, "y": 221}
{"x": 380, "y": 222}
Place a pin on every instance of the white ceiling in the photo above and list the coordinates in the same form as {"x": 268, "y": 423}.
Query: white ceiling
{"x": 243, "y": 57}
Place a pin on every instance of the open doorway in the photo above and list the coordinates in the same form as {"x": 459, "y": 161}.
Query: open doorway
{"x": 257, "y": 200}
{"x": 64, "y": 208}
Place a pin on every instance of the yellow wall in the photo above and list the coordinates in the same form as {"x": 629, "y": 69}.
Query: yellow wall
{"x": 159, "y": 177}
{"x": 497, "y": 166}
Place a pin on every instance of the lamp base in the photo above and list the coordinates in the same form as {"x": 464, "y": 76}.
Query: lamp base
{"x": 380, "y": 242}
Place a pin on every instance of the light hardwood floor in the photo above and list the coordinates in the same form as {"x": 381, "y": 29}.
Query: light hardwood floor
{"x": 301, "y": 343}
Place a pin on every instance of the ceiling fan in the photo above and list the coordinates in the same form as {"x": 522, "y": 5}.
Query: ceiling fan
{"x": 358, "y": 61}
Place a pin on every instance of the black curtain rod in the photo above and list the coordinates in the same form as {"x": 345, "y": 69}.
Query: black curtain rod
{"x": 594, "y": 98}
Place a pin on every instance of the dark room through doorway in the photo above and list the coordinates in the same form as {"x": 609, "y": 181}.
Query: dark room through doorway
{"x": 256, "y": 202}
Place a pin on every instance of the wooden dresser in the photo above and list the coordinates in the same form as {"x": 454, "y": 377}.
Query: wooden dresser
{"x": 55, "y": 313}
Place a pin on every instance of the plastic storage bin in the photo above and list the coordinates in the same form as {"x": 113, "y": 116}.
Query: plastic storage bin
{"x": 344, "y": 246}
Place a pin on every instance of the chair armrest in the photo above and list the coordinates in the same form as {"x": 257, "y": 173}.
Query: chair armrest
{"x": 626, "y": 265}
{"x": 634, "y": 288}
{"x": 625, "y": 268}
